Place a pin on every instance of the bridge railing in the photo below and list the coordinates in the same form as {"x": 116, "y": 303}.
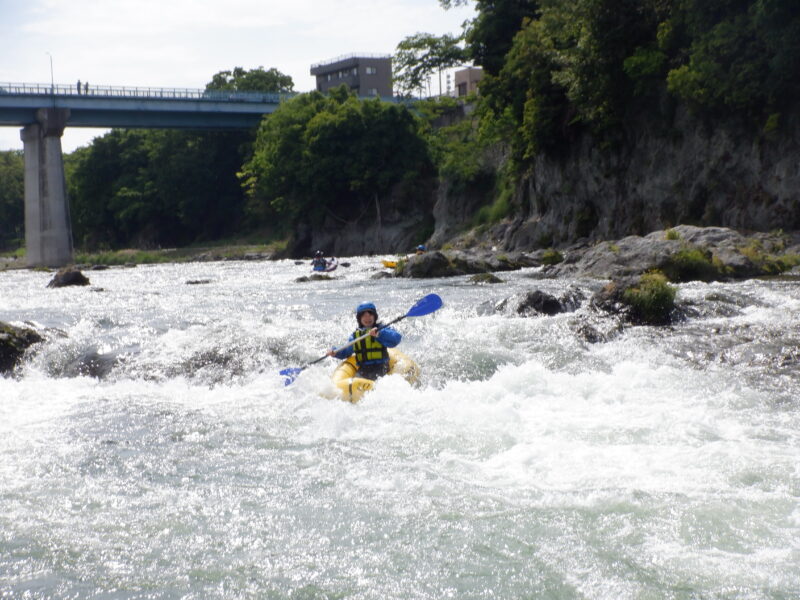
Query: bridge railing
{"x": 62, "y": 90}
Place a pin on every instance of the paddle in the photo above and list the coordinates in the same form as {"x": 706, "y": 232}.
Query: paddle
{"x": 424, "y": 306}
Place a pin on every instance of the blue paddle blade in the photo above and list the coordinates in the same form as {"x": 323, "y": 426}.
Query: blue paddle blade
{"x": 425, "y": 306}
{"x": 290, "y": 374}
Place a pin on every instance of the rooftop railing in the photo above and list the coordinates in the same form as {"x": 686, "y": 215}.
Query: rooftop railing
{"x": 104, "y": 91}
{"x": 348, "y": 57}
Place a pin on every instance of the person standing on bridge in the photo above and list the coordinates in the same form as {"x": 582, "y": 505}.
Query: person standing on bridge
{"x": 86, "y": 88}
{"x": 79, "y": 86}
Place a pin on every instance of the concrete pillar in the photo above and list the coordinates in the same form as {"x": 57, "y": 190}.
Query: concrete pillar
{"x": 48, "y": 234}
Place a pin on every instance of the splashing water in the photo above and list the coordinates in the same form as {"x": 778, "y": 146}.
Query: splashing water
{"x": 148, "y": 449}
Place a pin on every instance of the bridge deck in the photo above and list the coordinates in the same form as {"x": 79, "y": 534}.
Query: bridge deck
{"x": 110, "y": 106}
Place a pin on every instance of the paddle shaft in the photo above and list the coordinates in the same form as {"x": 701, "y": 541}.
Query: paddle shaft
{"x": 355, "y": 341}
{"x": 424, "y": 306}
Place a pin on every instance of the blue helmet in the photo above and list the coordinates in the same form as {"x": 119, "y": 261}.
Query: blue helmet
{"x": 421, "y": 247}
{"x": 366, "y": 307}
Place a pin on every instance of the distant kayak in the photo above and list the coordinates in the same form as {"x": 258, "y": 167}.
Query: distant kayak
{"x": 352, "y": 388}
{"x": 389, "y": 264}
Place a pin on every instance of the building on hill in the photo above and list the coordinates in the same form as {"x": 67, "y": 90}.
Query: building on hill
{"x": 366, "y": 75}
{"x": 466, "y": 80}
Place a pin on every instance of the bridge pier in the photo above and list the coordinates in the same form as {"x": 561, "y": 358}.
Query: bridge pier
{"x": 48, "y": 234}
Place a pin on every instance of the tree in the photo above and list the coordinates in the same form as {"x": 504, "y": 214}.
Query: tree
{"x": 12, "y": 198}
{"x": 490, "y": 35}
{"x": 742, "y": 57}
{"x": 254, "y": 80}
{"x": 422, "y": 54}
{"x": 319, "y": 154}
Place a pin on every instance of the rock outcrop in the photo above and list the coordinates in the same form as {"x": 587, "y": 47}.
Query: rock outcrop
{"x": 662, "y": 173}
{"x": 14, "y": 341}
{"x": 449, "y": 263}
{"x": 684, "y": 253}
{"x": 68, "y": 276}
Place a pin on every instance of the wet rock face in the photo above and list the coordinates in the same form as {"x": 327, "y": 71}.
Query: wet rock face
{"x": 683, "y": 253}
{"x": 451, "y": 263}
{"x": 538, "y": 302}
{"x": 725, "y": 176}
{"x": 68, "y": 276}
{"x": 14, "y": 341}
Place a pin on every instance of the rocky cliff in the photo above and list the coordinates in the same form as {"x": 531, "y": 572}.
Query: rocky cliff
{"x": 676, "y": 170}
{"x": 394, "y": 224}
{"x": 661, "y": 175}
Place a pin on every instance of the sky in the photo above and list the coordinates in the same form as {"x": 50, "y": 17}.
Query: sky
{"x": 183, "y": 43}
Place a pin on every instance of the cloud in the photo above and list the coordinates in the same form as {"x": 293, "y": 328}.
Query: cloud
{"x": 183, "y": 43}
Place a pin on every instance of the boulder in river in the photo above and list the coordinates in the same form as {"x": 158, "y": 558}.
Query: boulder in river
{"x": 14, "y": 341}
{"x": 645, "y": 300}
{"x": 68, "y": 276}
{"x": 450, "y": 263}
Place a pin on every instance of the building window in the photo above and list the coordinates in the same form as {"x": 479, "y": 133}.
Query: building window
{"x": 371, "y": 70}
{"x": 372, "y": 92}
{"x": 355, "y": 71}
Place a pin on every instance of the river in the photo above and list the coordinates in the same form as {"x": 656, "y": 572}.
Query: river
{"x": 150, "y": 449}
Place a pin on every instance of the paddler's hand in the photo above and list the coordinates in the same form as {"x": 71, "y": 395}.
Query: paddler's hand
{"x": 374, "y": 332}
{"x": 331, "y": 352}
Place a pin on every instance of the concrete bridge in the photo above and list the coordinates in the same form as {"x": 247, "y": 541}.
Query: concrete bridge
{"x": 43, "y": 111}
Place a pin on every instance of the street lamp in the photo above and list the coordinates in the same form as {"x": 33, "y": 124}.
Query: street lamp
{"x": 52, "y": 85}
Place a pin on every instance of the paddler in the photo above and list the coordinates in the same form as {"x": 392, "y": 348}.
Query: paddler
{"x": 319, "y": 263}
{"x": 371, "y": 353}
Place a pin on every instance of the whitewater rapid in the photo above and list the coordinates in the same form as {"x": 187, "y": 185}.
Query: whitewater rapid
{"x": 149, "y": 448}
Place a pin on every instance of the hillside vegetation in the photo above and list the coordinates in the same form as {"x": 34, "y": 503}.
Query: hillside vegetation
{"x": 556, "y": 74}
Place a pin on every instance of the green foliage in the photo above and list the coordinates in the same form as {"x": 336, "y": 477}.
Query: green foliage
{"x": 501, "y": 205}
{"x": 742, "y": 56}
{"x": 551, "y": 256}
{"x": 421, "y": 55}
{"x": 644, "y": 68}
{"x": 555, "y": 67}
{"x": 153, "y": 188}
{"x": 12, "y": 199}
{"x": 254, "y": 80}
{"x": 334, "y": 154}
{"x": 671, "y": 234}
{"x": 122, "y": 257}
{"x": 490, "y": 35}
{"x": 766, "y": 262}
{"x": 456, "y": 149}
{"x": 156, "y": 188}
{"x": 691, "y": 263}
{"x": 652, "y": 300}
{"x": 492, "y": 213}
{"x": 772, "y": 123}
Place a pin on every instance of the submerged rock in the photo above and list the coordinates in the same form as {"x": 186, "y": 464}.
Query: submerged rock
{"x": 485, "y": 278}
{"x": 314, "y": 277}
